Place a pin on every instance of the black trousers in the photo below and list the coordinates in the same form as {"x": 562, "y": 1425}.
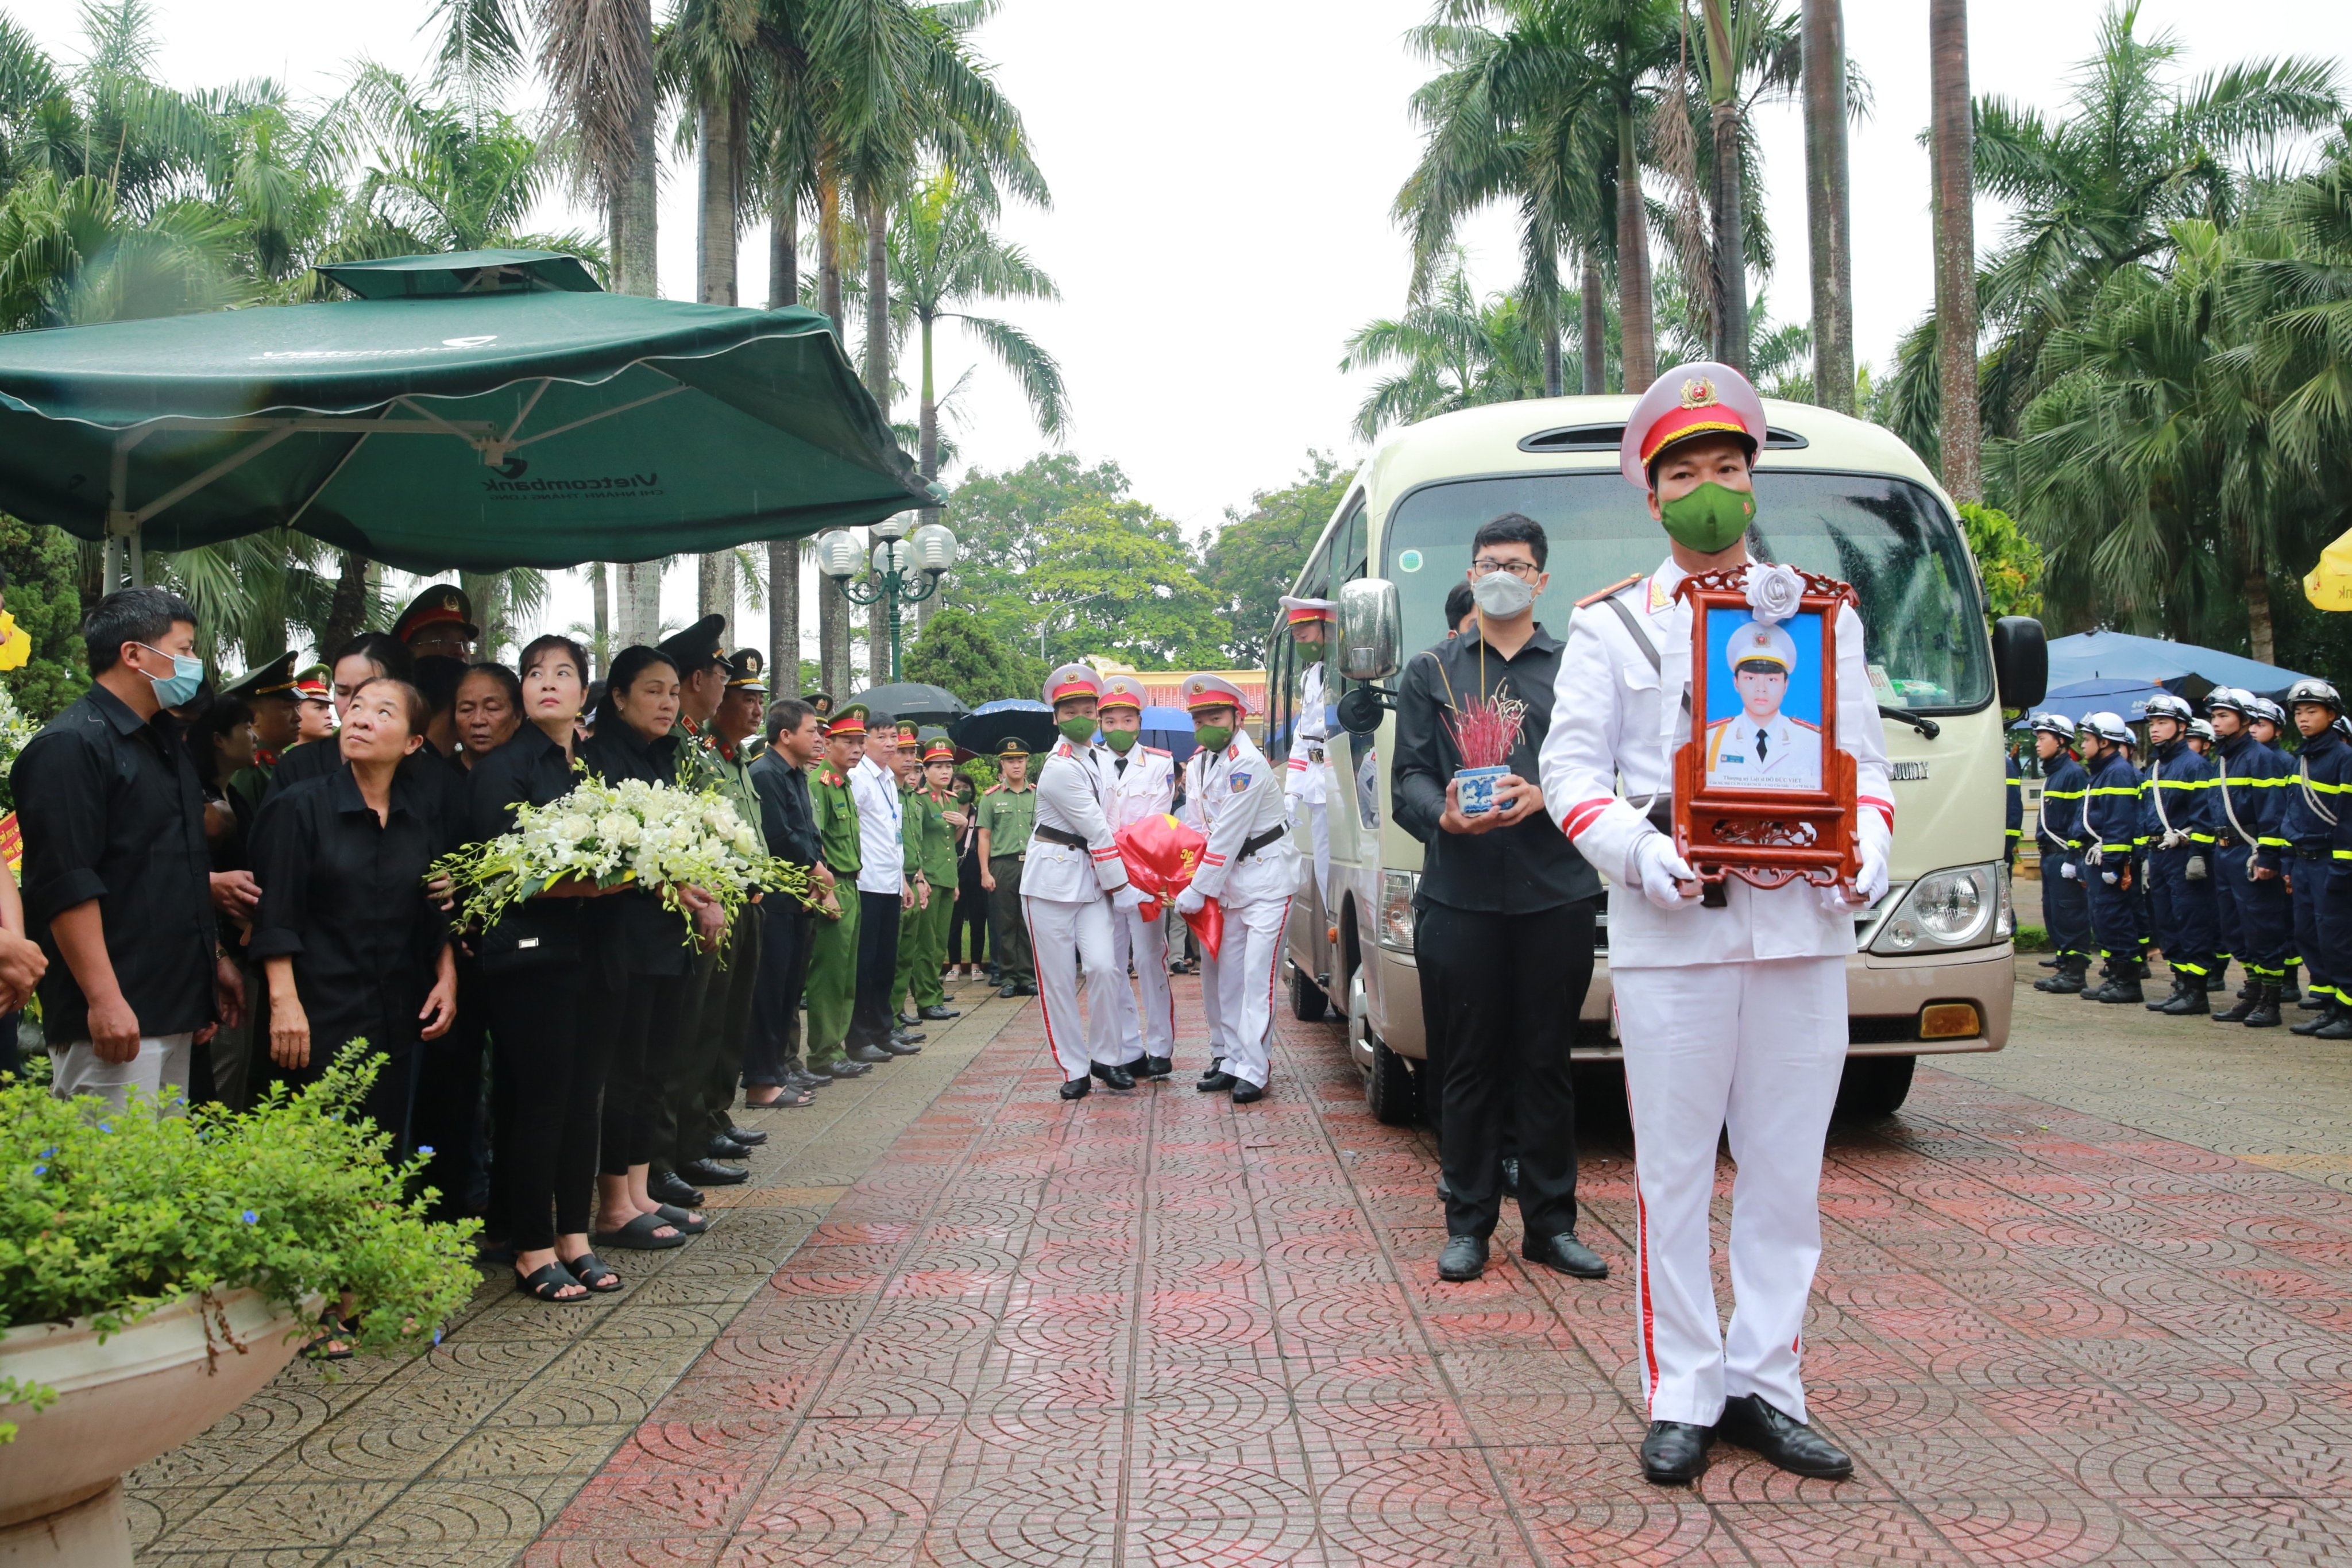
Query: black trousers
{"x": 1009, "y": 931}
{"x": 1499, "y": 995}
{"x": 698, "y": 1077}
{"x": 878, "y": 968}
{"x": 449, "y": 1097}
{"x": 633, "y": 1020}
{"x": 774, "y": 1045}
{"x": 968, "y": 924}
{"x": 551, "y": 1073}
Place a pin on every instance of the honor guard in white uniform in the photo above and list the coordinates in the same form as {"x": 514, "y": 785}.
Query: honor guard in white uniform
{"x": 1305, "y": 780}
{"x": 1142, "y": 784}
{"x": 1251, "y": 867}
{"x": 1069, "y": 885}
{"x": 1732, "y": 1018}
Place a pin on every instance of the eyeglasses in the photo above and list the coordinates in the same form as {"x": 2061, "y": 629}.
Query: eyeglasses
{"x": 1525, "y": 571}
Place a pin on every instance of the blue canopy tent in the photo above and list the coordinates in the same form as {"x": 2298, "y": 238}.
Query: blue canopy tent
{"x": 2182, "y": 669}
{"x": 2125, "y": 698}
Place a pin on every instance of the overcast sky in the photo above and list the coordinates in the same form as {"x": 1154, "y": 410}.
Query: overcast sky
{"x": 1221, "y": 176}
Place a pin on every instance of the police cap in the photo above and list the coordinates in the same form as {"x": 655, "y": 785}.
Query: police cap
{"x": 441, "y": 603}
{"x": 1071, "y": 680}
{"x": 748, "y": 671}
{"x": 274, "y": 678}
{"x": 1760, "y": 643}
{"x": 699, "y": 647}
{"x": 1013, "y": 746}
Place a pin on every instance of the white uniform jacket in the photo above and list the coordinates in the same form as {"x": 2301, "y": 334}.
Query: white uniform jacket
{"x": 1071, "y": 789}
{"x": 1305, "y": 776}
{"x": 1616, "y": 721}
{"x": 1231, "y": 796}
{"x": 1146, "y": 788}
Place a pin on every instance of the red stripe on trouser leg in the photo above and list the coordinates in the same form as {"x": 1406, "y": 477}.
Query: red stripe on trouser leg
{"x": 1043, "y": 1012}
{"x": 1649, "y": 1319}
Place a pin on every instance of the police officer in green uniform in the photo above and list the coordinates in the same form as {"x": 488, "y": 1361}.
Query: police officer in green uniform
{"x": 939, "y": 866}
{"x": 915, "y": 813}
{"x": 831, "y": 986}
{"x": 438, "y": 623}
{"x": 1007, "y": 814}
{"x": 735, "y": 743}
{"x": 268, "y": 690}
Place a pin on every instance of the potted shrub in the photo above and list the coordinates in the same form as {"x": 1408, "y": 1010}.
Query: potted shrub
{"x": 157, "y": 1268}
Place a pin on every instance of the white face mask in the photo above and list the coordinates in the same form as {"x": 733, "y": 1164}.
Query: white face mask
{"x": 1503, "y": 595}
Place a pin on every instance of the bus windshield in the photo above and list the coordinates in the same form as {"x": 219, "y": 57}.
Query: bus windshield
{"x": 1926, "y": 647}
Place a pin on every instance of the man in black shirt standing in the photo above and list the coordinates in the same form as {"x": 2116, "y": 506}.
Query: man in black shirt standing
{"x": 773, "y": 1073}
{"x": 1503, "y": 933}
{"x": 118, "y": 879}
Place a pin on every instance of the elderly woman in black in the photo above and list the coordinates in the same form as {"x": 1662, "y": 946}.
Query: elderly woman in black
{"x": 353, "y": 948}
{"x": 547, "y": 1069}
{"x": 638, "y": 981}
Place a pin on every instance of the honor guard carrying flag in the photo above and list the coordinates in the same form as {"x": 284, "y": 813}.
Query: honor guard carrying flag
{"x": 439, "y": 621}
{"x": 1305, "y": 781}
{"x": 269, "y": 690}
{"x": 2176, "y": 820}
{"x": 1142, "y": 785}
{"x": 2065, "y": 902}
{"x": 2318, "y": 797}
{"x": 2248, "y": 804}
{"x": 1250, "y": 867}
{"x": 1733, "y": 1018}
{"x": 1072, "y": 888}
{"x": 2111, "y": 837}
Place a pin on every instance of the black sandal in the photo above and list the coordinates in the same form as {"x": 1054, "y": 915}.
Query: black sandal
{"x": 336, "y": 1328}
{"x": 544, "y": 1283}
{"x": 593, "y": 1274}
{"x": 684, "y": 1219}
{"x": 637, "y": 1236}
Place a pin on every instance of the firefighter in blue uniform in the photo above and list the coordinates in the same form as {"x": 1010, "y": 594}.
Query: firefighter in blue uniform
{"x": 2247, "y": 808}
{"x": 2201, "y": 740}
{"x": 2058, "y": 834}
{"x": 2315, "y": 804}
{"x": 2176, "y": 814}
{"x": 2016, "y": 810}
{"x": 2111, "y": 838}
{"x": 2268, "y": 721}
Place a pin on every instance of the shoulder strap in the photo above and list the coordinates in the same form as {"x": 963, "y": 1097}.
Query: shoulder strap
{"x": 2222, "y": 766}
{"x": 2303, "y": 777}
{"x": 1641, "y": 640}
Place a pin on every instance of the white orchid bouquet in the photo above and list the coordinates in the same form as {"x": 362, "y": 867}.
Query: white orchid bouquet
{"x": 603, "y": 836}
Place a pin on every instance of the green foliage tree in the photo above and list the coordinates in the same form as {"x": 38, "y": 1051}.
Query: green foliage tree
{"x": 1255, "y": 557}
{"x": 1450, "y": 350}
{"x": 957, "y": 652}
{"x": 2007, "y": 559}
{"x": 45, "y": 596}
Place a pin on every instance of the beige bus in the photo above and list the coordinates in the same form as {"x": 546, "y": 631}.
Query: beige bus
{"x": 1837, "y": 495}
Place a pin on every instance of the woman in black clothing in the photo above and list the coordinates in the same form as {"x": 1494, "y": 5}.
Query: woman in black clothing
{"x": 972, "y": 898}
{"x": 637, "y": 978}
{"x": 547, "y": 1071}
{"x": 354, "y": 950}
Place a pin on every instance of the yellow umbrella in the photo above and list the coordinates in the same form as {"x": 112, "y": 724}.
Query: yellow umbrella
{"x": 2329, "y": 585}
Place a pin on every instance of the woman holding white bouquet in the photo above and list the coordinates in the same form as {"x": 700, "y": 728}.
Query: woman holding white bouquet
{"x": 548, "y": 1073}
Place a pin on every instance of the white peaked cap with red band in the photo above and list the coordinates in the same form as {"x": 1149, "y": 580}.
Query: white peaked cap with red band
{"x": 1701, "y": 398}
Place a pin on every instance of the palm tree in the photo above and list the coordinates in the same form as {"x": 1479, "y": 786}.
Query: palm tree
{"x": 1828, "y": 202}
{"x": 1451, "y": 351}
{"x": 1951, "y": 133}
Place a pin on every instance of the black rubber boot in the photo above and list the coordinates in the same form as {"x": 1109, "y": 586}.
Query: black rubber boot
{"x": 2172, "y": 994}
{"x": 2068, "y": 980}
{"x": 2265, "y": 1014}
{"x": 2249, "y": 996}
{"x": 2316, "y": 1022}
{"x": 2124, "y": 988}
{"x": 2188, "y": 1001}
{"x": 2090, "y": 993}
{"x": 2217, "y": 979}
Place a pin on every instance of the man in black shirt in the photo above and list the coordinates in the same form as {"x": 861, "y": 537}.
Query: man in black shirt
{"x": 772, "y": 1071}
{"x": 1503, "y": 933}
{"x": 117, "y": 875}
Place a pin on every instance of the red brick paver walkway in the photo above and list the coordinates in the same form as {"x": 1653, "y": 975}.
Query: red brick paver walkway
{"x": 1156, "y": 1330}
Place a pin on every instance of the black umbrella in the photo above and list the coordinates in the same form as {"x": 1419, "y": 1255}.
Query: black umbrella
{"x": 912, "y": 701}
{"x": 1031, "y": 723}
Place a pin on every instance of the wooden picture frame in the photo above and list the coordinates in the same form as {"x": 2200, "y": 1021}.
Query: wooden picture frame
{"x": 1772, "y": 820}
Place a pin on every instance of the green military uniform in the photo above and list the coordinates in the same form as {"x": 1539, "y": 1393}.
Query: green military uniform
{"x": 911, "y": 803}
{"x": 250, "y": 784}
{"x": 930, "y": 850}
{"x": 1007, "y": 815}
{"x": 831, "y": 987}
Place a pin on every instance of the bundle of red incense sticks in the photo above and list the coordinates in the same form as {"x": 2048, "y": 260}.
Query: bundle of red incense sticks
{"x": 1486, "y": 729}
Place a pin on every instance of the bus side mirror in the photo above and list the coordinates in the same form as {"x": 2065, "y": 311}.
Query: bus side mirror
{"x": 1360, "y": 710}
{"x": 1369, "y": 631}
{"x": 2020, "y": 661}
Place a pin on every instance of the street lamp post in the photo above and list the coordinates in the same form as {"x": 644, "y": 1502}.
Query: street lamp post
{"x": 902, "y": 570}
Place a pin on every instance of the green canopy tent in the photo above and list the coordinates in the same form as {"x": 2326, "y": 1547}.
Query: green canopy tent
{"x": 475, "y": 411}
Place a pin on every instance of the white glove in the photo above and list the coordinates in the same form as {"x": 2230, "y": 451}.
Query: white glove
{"x": 1129, "y": 897}
{"x": 1190, "y": 902}
{"x": 1877, "y": 840}
{"x": 1661, "y": 869}
{"x": 2092, "y": 857}
{"x": 2067, "y": 872}
{"x": 2172, "y": 840}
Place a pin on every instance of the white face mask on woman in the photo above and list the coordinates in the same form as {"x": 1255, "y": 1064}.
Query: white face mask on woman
{"x": 1503, "y": 595}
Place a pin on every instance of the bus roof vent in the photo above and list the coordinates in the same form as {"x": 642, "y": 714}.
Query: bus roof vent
{"x": 1608, "y": 437}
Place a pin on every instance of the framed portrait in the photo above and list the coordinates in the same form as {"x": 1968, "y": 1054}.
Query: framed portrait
{"x": 1762, "y": 790}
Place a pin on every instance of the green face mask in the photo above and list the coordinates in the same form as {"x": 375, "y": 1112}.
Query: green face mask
{"x": 1077, "y": 731}
{"x": 1213, "y": 736}
{"x": 1121, "y": 741}
{"x": 1710, "y": 519}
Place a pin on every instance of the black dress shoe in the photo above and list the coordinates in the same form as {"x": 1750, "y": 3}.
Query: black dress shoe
{"x": 746, "y": 1137}
{"x": 905, "y": 1021}
{"x": 711, "y": 1173}
{"x": 801, "y": 1078}
{"x": 1465, "y": 1259}
{"x": 1217, "y": 1082}
{"x": 669, "y": 1187}
{"x": 1754, "y": 1422}
{"x": 1675, "y": 1453}
{"x": 902, "y": 1043}
{"x": 1216, "y": 1065}
{"x": 848, "y": 1067}
{"x": 1024, "y": 989}
{"x": 1077, "y": 1088}
{"x": 1115, "y": 1076}
{"x": 1247, "y": 1092}
{"x": 1008, "y": 991}
{"x": 940, "y": 1013}
{"x": 1568, "y": 1256}
{"x": 726, "y": 1149}
{"x": 1157, "y": 1067}
{"x": 869, "y": 1054}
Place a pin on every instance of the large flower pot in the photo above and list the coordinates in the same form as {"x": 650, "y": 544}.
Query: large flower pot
{"x": 146, "y": 1390}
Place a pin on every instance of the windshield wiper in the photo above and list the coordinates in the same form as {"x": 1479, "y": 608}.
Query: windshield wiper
{"x": 1925, "y": 725}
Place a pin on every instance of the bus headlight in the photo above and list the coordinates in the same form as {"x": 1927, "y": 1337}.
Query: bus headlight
{"x": 1396, "y": 889}
{"x": 1960, "y": 906}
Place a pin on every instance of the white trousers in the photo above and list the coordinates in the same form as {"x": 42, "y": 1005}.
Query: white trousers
{"x": 1060, "y": 935}
{"x": 1755, "y": 1050}
{"x": 161, "y": 1062}
{"x": 1315, "y": 817}
{"x": 1151, "y": 1031}
{"x": 1237, "y": 988}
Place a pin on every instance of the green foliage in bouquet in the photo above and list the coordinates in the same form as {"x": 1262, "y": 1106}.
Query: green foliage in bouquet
{"x": 110, "y": 1215}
